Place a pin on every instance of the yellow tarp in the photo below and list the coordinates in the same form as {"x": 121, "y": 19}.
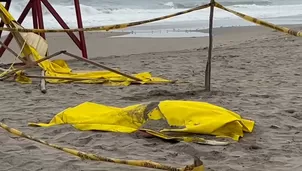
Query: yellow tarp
{"x": 59, "y": 68}
{"x": 180, "y": 116}
{"x": 35, "y": 45}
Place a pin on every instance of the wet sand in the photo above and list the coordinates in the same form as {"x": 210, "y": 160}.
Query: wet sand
{"x": 255, "y": 72}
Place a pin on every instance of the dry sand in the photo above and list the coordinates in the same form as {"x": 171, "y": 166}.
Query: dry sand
{"x": 256, "y": 72}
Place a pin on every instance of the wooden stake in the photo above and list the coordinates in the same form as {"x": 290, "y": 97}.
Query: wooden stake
{"x": 208, "y": 67}
{"x": 34, "y": 63}
{"x": 9, "y": 49}
{"x": 43, "y": 83}
{"x": 12, "y": 51}
{"x": 83, "y": 79}
{"x": 102, "y": 66}
{"x": 2, "y": 69}
{"x": 60, "y": 78}
{"x": 71, "y": 55}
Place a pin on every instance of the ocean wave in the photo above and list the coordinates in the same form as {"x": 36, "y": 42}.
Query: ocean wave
{"x": 179, "y": 5}
{"x": 176, "y": 5}
{"x": 232, "y": 3}
{"x": 102, "y": 15}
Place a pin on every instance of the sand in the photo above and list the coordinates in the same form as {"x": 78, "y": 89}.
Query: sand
{"x": 256, "y": 72}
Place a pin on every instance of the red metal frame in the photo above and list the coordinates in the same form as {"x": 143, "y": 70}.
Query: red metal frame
{"x": 39, "y": 16}
{"x": 35, "y": 17}
{"x": 38, "y": 22}
{"x": 80, "y": 25}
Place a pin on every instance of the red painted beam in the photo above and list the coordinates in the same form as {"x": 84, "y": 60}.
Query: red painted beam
{"x": 34, "y": 14}
{"x": 80, "y": 25}
{"x": 20, "y": 20}
{"x": 40, "y": 16}
{"x": 61, "y": 22}
{"x": 7, "y": 5}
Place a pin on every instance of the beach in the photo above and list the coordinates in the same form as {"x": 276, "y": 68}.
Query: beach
{"x": 255, "y": 72}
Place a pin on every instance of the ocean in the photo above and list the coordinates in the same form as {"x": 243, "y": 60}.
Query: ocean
{"x": 103, "y": 12}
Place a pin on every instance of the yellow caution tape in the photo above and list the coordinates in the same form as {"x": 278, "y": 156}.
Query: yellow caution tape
{"x": 197, "y": 166}
{"x": 107, "y": 27}
{"x": 261, "y": 22}
{"x": 126, "y": 25}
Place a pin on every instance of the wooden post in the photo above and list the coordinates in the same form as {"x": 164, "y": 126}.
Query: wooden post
{"x": 208, "y": 67}
{"x": 43, "y": 83}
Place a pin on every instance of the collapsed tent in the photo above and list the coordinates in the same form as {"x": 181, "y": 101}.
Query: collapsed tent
{"x": 60, "y": 69}
{"x": 34, "y": 48}
{"x": 156, "y": 118}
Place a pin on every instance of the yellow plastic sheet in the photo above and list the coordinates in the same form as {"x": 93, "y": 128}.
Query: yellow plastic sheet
{"x": 180, "y": 116}
{"x": 21, "y": 78}
{"x": 59, "y": 68}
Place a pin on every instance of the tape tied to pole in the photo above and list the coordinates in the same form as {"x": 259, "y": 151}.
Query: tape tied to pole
{"x": 260, "y": 22}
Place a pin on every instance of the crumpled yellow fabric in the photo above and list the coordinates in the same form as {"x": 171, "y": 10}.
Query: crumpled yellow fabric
{"x": 19, "y": 77}
{"x": 59, "y": 68}
{"x": 188, "y": 116}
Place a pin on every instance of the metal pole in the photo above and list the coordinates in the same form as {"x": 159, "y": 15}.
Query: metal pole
{"x": 208, "y": 67}
{"x": 80, "y": 25}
